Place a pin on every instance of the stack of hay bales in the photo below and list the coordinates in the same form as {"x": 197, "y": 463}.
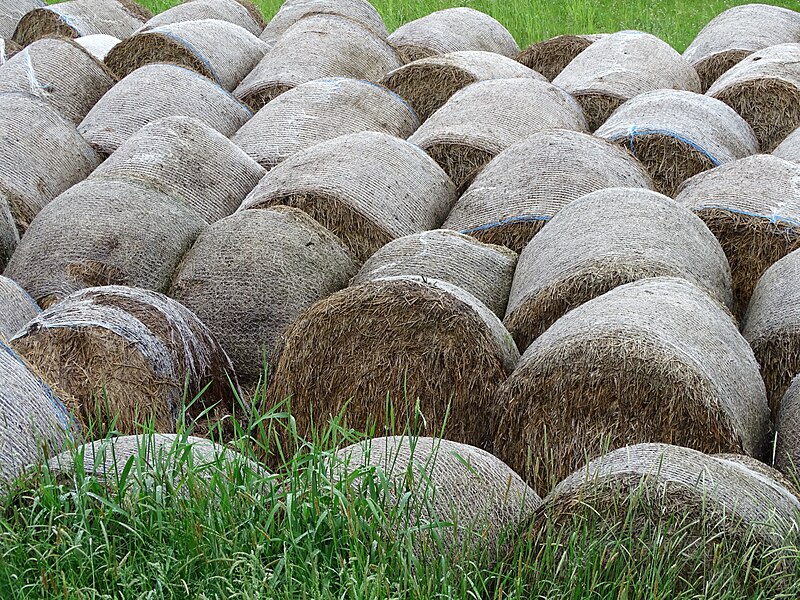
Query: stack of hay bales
{"x": 291, "y": 11}
{"x": 367, "y": 188}
{"x": 452, "y": 30}
{"x": 427, "y": 84}
{"x": 463, "y": 136}
{"x": 656, "y": 360}
{"x": 620, "y": 66}
{"x": 315, "y": 47}
{"x": 11, "y": 11}
{"x": 735, "y": 34}
{"x": 127, "y": 356}
{"x": 678, "y": 134}
{"x": 16, "y": 308}
{"x": 787, "y": 426}
{"x": 527, "y": 184}
{"x": 606, "y": 239}
{"x": 753, "y": 207}
{"x": 251, "y": 274}
{"x": 789, "y": 149}
{"x": 319, "y": 111}
{"x": 549, "y": 57}
{"x": 764, "y": 89}
{"x": 157, "y": 91}
{"x": 244, "y": 14}
{"x": 98, "y": 44}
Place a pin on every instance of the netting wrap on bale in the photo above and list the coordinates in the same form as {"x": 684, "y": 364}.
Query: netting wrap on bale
{"x": 678, "y": 134}
{"x": 549, "y": 57}
{"x": 189, "y": 161}
{"x": 157, "y": 91}
{"x": 250, "y": 275}
{"x": 319, "y": 111}
{"x": 527, "y": 184}
{"x": 606, "y": 239}
{"x": 195, "y": 10}
{"x": 129, "y": 357}
{"x": 9, "y": 236}
{"x": 16, "y": 308}
{"x": 8, "y": 49}
{"x": 291, "y": 11}
{"x": 789, "y": 149}
{"x": 367, "y": 188}
{"x": 787, "y": 426}
{"x": 11, "y": 11}
{"x": 452, "y": 30}
{"x": 316, "y": 47}
{"x": 620, "y": 66}
{"x": 656, "y": 360}
{"x": 98, "y": 44}
{"x": 463, "y": 136}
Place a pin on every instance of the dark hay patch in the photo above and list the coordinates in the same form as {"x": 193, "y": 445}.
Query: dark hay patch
{"x": 258, "y": 99}
{"x": 714, "y": 66}
{"x": 514, "y": 234}
{"x": 411, "y": 53}
{"x": 150, "y": 48}
{"x": 427, "y": 87}
{"x": 41, "y": 23}
{"x": 551, "y": 56}
{"x": 136, "y": 10}
{"x": 459, "y": 161}
{"x": 597, "y": 108}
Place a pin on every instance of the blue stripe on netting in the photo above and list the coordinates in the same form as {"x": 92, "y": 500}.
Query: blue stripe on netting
{"x": 196, "y": 52}
{"x": 509, "y": 221}
{"x": 777, "y": 219}
{"x": 635, "y": 132}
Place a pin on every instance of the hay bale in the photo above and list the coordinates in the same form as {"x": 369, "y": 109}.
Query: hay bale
{"x": 60, "y": 72}
{"x": 762, "y": 469}
{"x": 678, "y": 134}
{"x": 195, "y": 10}
{"x": 483, "y": 270}
{"x": 764, "y": 89}
{"x": 452, "y": 30}
{"x": 463, "y": 136}
{"x": 189, "y": 161}
{"x": 103, "y": 232}
{"x": 620, "y": 66}
{"x": 8, "y": 48}
{"x": 251, "y": 274}
{"x": 127, "y": 356}
{"x": 16, "y": 307}
{"x": 787, "y": 425}
{"x": 9, "y": 236}
{"x": 549, "y": 57}
{"x": 11, "y": 11}
{"x": 427, "y": 84}
{"x": 735, "y": 34}
{"x": 42, "y": 157}
{"x": 317, "y": 47}
{"x": 319, "y": 111}
{"x": 656, "y": 360}
{"x": 98, "y": 45}
{"x": 528, "y": 183}
{"x": 368, "y": 188}
{"x": 157, "y": 91}
{"x": 220, "y": 50}
{"x": 789, "y": 149}
{"x": 77, "y": 18}
{"x": 753, "y": 207}
{"x": 359, "y": 11}
{"x": 606, "y": 239}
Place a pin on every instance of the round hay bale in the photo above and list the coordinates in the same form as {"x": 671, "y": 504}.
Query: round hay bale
{"x": 319, "y": 111}
{"x": 103, "y": 232}
{"x": 196, "y": 10}
{"x": 369, "y": 351}
{"x": 251, "y": 274}
{"x": 678, "y": 134}
{"x": 452, "y": 30}
{"x": 60, "y": 72}
{"x": 127, "y": 357}
{"x": 359, "y": 11}
{"x": 368, "y": 188}
{"x": 789, "y": 149}
{"x": 762, "y": 469}
{"x": 11, "y": 11}
{"x": 620, "y": 66}
{"x": 549, "y": 57}
{"x": 77, "y": 18}
{"x": 656, "y": 360}
{"x": 220, "y": 50}
{"x": 16, "y": 307}
{"x": 753, "y": 207}
{"x": 189, "y": 161}
{"x": 98, "y": 45}
{"x": 764, "y": 89}
{"x": 525, "y": 185}
{"x": 157, "y": 91}
{"x": 463, "y": 500}
{"x": 606, "y": 239}
{"x": 427, "y": 84}
{"x": 736, "y": 33}
{"x": 42, "y": 155}
{"x": 9, "y": 236}
{"x": 317, "y": 47}
{"x": 463, "y": 136}
{"x": 787, "y": 425}
{"x": 8, "y": 48}
{"x": 483, "y": 270}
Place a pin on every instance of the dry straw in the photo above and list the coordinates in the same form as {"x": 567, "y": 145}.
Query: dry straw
{"x": 319, "y": 111}
{"x": 463, "y": 136}
{"x": 787, "y": 425}
{"x": 427, "y": 84}
{"x": 16, "y": 308}
{"x": 656, "y": 360}
{"x": 98, "y": 44}
{"x": 8, "y": 48}
{"x": 367, "y": 188}
{"x": 789, "y": 149}
{"x": 11, "y": 11}
{"x": 128, "y": 356}
{"x": 764, "y": 89}
{"x": 157, "y": 91}
{"x": 316, "y": 47}
{"x": 251, "y": 275}
{"x": 606, "y": 239}
{"x": 195, "y": 10}
{"x": 9, "y": 236}
{"x": 620, "y": 66}
{"x": 397, "y": 353}
{"x": 678, "y": 134}
{"x": 527, "y": 184}
{"x": 738, "y": 32}
{"x": 753, "y": 207}
{"x": 189, "y": 161}
{"x": 549, "y": 57}
{"x": 452, "y": 30}
{"x": 291, "y": 11}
